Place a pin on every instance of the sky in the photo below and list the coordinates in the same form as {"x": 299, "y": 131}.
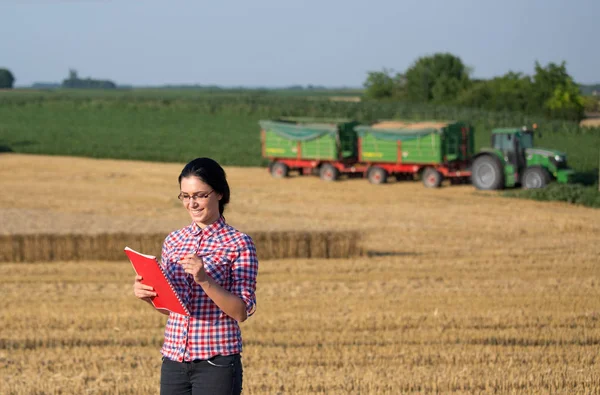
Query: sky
{"x": 276, "y": 43}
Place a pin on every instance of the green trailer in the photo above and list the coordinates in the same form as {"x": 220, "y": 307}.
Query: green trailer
{"x": 431, "y": 150}
{"x": 306, "y": 146}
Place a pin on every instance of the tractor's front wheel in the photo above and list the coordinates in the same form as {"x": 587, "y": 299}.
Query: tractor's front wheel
{"x": 535, "y": 177}
{"x": 487, "y": 173}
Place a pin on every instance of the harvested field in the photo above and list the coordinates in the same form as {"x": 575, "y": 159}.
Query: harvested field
{"x": 591, "y": 122}
{"x": 89, "y": 196}
{"x": 354, "y": 99}
{"x": 461, "y": 291}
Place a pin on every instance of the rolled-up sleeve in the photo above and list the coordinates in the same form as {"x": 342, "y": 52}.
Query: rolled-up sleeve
{"x": 244, "y": 273}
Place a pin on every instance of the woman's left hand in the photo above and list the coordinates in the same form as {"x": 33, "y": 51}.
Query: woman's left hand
{"x": 193, "y": 264}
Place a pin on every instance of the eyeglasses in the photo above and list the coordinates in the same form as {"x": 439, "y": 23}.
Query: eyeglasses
{"x": 197, "y": 196}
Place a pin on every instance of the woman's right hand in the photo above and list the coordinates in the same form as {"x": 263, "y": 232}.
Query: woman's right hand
{"x": 142, "y": 291}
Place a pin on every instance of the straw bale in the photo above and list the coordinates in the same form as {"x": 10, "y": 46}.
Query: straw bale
{"x": 408, "y": 125}
{"x": 64, "y": 248}
{"x": 6, "y": 248}
{"x": 389, "y": 125}
{"x": 109, "y": 246}
{"x": 318, "y": 245}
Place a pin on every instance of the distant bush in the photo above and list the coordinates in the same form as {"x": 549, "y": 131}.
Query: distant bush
{"x": 571, "y": 193}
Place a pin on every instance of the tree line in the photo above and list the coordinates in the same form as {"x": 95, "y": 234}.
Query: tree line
{"x": 444, "y": 79}
{"x": 7, "y": 80}
{"x": 86, "y": 83}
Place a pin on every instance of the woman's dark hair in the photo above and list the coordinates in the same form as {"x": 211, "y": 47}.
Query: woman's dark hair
{"x": 211, "y": 173}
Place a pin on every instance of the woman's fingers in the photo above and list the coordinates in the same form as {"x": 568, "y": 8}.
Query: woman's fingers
{"x": 141, "y": 286}
{"x": 142, "y": 290}
{"x": 144, "y": 293}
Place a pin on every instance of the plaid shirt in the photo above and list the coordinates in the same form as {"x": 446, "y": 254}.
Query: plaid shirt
{"x": 229, "y": 258}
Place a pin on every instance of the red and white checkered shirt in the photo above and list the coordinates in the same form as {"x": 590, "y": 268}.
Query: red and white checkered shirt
{"x": 230, "y": 260}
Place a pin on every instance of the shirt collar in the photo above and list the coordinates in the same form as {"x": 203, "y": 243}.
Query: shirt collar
{"x": 209, "y": 229}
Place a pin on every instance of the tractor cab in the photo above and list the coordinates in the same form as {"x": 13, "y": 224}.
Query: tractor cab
{"x": 513, "y": 144}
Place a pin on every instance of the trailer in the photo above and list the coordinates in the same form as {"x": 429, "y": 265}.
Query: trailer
{"x": 429, "y": 150}
{"x": 325, "y": 148}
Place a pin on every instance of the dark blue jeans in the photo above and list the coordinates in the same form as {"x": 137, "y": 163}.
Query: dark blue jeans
{"x": 218, "y": 375}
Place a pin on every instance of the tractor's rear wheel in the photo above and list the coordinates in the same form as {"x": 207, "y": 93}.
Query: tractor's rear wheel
{"x": 377, "y": 175}
{"x": 279, "y": 170}
{"x": 487, "y": 173}
{"x": 432, "y": 178}
{"x": 535, "y": 177}
{"x": 328, "y": 172}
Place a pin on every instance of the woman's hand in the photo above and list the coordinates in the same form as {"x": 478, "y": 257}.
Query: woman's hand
{"x": 142, "y": 291}
{"x": 193, "y": 264}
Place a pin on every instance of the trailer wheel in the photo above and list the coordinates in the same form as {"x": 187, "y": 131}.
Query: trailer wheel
{"x": 328, "y": 172}
{"x": 432, "y": 178}
{"x": 487, "y": 173}
{"x": 535, "y": 177}
{"x": 377, "y": 175}
{"x": 279, "y": 170}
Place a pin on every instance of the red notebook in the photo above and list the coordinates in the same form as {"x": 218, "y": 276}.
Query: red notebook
{"x": 152, "y": 274}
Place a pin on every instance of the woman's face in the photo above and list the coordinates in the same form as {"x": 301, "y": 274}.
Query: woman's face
{"x": 200, "y": 200}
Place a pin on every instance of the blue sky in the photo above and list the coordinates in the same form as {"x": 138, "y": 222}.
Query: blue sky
{"x": 280, "y": 43}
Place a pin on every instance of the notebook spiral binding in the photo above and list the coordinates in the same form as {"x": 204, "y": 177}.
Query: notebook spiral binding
{"x": 171, "y": 286}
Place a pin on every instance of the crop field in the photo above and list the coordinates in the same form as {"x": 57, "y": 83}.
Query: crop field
{"x": 459, "y": 292}
{"x": 171, "y": 126}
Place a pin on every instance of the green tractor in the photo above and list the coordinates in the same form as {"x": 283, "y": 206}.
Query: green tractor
{"x": 513, "y": 161}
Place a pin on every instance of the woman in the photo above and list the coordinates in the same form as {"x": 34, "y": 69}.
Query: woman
{"x": 213, "y": 268}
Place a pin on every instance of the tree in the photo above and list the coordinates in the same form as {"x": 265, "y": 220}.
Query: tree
{"x": 383, "y": 85}
{"x": 566, "y": 102}
{"x": 511, "y": 92}
{"x": 6, "y": 79}
{"x": 439, "y": 78}
{"x": 591, "y": 104}
{"x": 555, "y": 92}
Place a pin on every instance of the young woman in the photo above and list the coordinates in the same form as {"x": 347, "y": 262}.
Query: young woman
{"x": 213, "y": 268}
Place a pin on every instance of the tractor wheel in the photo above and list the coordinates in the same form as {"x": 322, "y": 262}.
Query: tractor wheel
{"x": 279, "y": 170}
{"x": 432, "y": 178}
{"x": 535, "y": 177}
{"x": 487, "y": 173}
{"x": 328, "y": 172}
{"x": 377, "y": 175}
